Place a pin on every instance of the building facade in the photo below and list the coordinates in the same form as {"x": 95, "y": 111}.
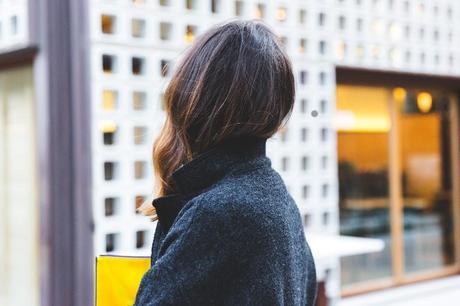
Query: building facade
{"x": 371, "y": 148}
{"x": 135, "y": 45}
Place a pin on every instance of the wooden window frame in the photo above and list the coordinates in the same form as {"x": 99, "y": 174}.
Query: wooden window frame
{"x": 389, "y": 79}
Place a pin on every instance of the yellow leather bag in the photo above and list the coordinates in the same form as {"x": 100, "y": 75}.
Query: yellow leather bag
{"x": 117, "y": 279}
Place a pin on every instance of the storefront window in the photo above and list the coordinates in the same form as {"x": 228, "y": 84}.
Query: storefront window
{"x": 426, "y": 181}
{"x": 395, "y": 178}
{"x": 363, "y": 124}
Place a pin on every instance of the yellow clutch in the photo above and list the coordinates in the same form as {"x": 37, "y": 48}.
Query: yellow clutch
{"x": 117, "y": 279}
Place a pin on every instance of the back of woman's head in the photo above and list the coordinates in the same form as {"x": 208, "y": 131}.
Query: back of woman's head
{"x": 235, "y": 80}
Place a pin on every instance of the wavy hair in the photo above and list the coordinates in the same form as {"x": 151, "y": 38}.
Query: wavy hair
{"x": 235, "y": 80}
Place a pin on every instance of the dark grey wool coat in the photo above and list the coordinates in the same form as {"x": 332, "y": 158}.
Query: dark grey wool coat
{"x": 230, "y": 234}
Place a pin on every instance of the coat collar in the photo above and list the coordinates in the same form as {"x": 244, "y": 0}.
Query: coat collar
{"x": 204, "y": 170}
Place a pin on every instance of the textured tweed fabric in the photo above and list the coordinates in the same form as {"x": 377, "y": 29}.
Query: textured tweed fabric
{"x": 230, "y": 234}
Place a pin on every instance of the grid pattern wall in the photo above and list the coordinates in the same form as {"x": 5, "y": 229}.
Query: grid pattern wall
{"x": 13, "y": 23}
{"x": 135, "y": 44}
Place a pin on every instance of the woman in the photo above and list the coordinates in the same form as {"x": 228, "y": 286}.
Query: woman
{"x": 228, "y": 231}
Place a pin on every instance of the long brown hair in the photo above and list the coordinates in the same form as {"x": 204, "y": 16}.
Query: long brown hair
{"x": 235, "y": 80}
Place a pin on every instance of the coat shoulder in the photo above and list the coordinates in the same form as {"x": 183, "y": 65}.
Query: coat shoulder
{"x": 256, "y": 197}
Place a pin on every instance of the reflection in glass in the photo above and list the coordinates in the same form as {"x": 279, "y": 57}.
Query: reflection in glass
{"x": 363, "y": 124}
{"x": 426, "y": 182}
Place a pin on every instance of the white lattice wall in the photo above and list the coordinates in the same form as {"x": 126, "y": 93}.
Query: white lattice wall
{"x": 417, "y": 36}
{"x": 13, "y": 23}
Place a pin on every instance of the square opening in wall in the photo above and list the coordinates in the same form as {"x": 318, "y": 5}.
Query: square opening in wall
{"x": 165, "y": 31}
{"x": 138, "y": 65}
{"x": 324, "y": 160}
{"x": 281, "y": 14}
{"x": 304, "y": 134}
{"x": 140, "y": 239}
{"x": 109, "y": 100}
{"x": 191, "y": 4}
{"x": 306, "y": 220}
{"x": 323, "y": 106}
{"x": 190, "y": 32}
{"x": 109, "y": 137}
{"x": 109, "y": 63}
{"x": 138, "y": 28}
{"x": 284, "y": 42}
{"x": 303, "y": 77}
{"x": 139, "y": 100}
{"x": 110, "y": 206}
{"x": 322, "y": 47}
{"x": 260, "y": 11}
{"x": 110, "y": 170}
{"x": 325, "y": 219}
{"x": 305, "y": 163}
{"x": 140, "y": 135}
{"x": 302, "y": 45}
{"x": 305, "y": 191}
{"x": 322, "y": 78}
{"x": 138, "y": 201}
{"x": 108, "y": 23}
{"x": 112, "y": 242}
{"x": 164, "y": 68}
{"x": 239, "y": 8}
{"x": 324, "y": 134}
{"x": 285, "y": 163}
{"x": 109, "y": 132}
{"x": 140, "y": 170}
{"x": 302, "y": 16}
{"x": 215, "y": 6}
{"x": 283, "y": 134}
{"x": 14, "y": 25}
{"x": 324, "y": 190}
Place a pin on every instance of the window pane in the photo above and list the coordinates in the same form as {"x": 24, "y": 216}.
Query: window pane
{"x": 363, "y": 126}
{"x": 426, "y": 182}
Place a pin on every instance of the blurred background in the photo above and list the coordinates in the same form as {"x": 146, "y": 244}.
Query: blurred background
{"x": 370, "y": 154}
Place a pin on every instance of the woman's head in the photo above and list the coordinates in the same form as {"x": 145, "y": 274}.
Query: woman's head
{"x": 235, "y": 80}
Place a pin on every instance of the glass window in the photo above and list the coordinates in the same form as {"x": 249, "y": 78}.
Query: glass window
{"x": 424, "y": 134}
{"x": 395, "y": 142}
{"x": 363, "y": 124}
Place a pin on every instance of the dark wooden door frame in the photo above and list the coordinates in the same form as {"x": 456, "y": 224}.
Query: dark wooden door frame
{"x": 59, "y": 29}
{"x": 346, "y": 75}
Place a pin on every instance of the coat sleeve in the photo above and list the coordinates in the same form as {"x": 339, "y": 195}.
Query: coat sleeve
{"x": 191, "y": 264}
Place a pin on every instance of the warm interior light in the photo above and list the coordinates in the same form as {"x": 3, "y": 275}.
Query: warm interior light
{"x": 424, "y": 102}
{"x": 259, "y": 12}
{"x": 281, "y": 14}
{"x": 108, "y": 126}
{"x": 362, "y": 109}
{"x": 399, "y": 94}
{"x": 109, "y": 98}
{"x": 189, "y": 34}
